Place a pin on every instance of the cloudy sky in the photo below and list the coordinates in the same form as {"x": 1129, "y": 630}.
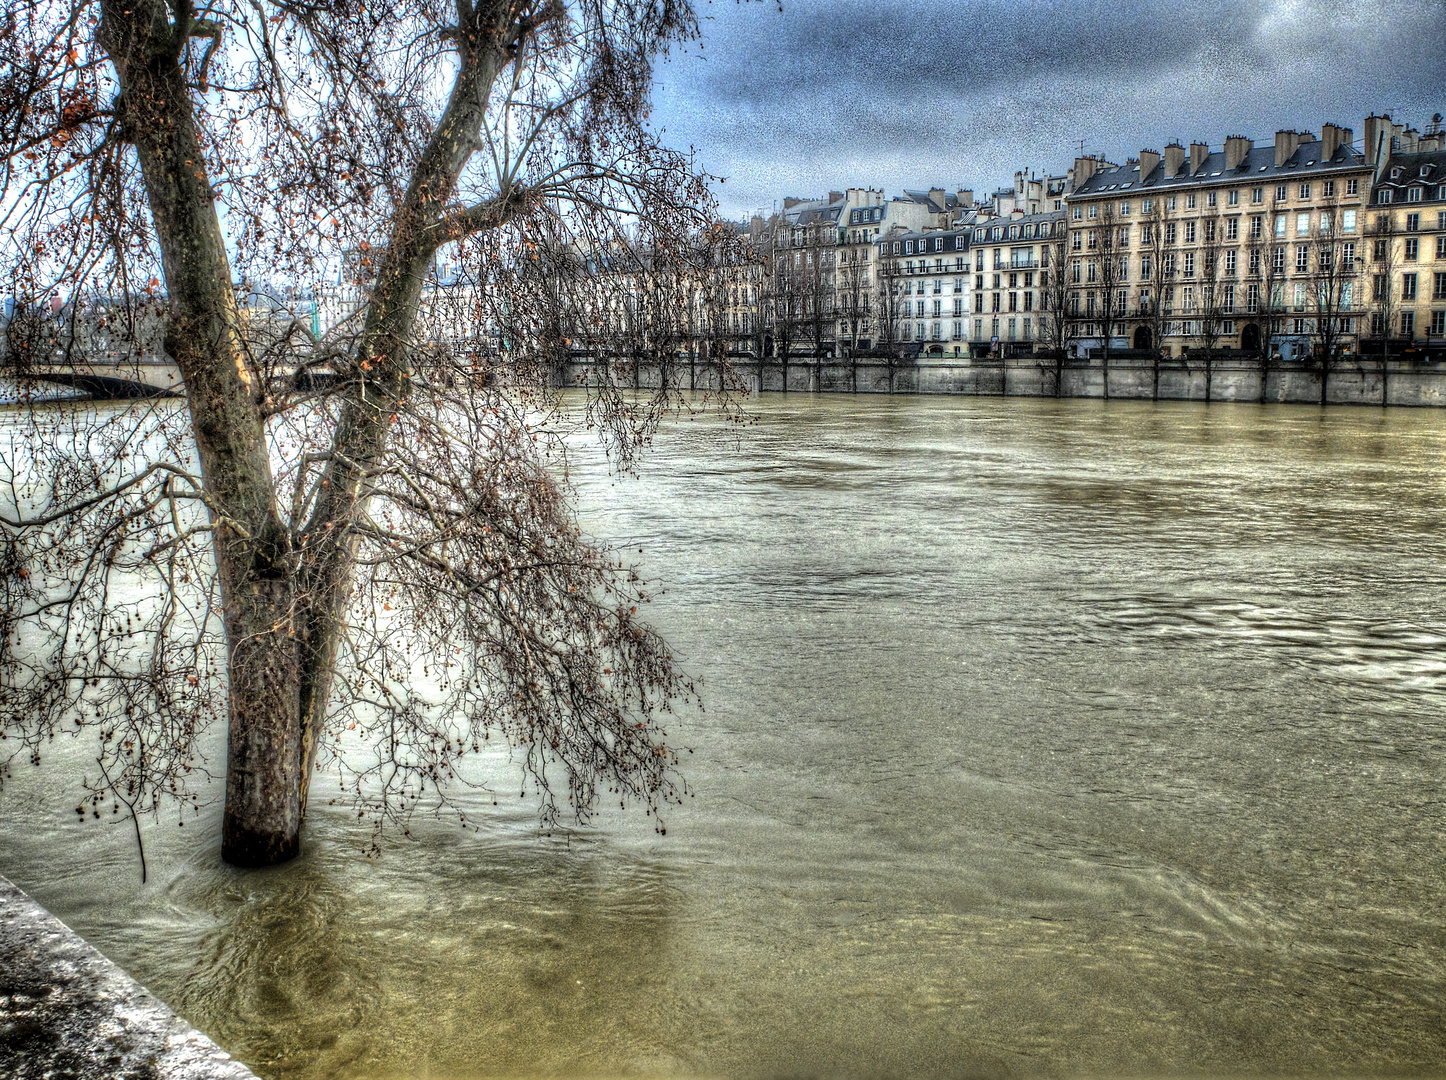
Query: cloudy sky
{"x": 891, "y": 93}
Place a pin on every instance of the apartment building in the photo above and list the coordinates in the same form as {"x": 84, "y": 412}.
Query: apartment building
{"x": 921, "y": 299}
{"x": 1011, "y": 297}
{"x": 1255, "y": 248}
{"x": 1407, "y": 239}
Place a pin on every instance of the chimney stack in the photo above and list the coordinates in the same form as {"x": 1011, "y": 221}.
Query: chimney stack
{"x": 1084, "y": 168}
{"x": 1286, "y": 144}
{"x": 1174, "y": 159}
{"x": 1330, "y": 141}
{"x": 1198, "y": 153}
{"x": 966, "y": 198}
{"x": 1148, "y": 160}
{"x": 1237, "y": 147}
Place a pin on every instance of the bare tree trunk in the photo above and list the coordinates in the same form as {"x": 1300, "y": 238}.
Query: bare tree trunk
{"x": 253, "y": 557}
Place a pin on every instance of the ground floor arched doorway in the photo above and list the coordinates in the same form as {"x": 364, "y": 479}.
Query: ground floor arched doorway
{"x": 1250, "y": 338}
{"x": 1142, "y": 337}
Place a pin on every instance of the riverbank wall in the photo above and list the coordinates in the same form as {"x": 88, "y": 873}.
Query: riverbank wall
{"x": 1367, "y": 382}
{"x": 67, "y": 1011}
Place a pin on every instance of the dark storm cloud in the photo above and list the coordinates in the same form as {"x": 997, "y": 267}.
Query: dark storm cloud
{"x": 830, "y": 93}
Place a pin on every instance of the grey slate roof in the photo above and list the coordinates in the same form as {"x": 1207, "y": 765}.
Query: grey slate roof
{"x": 1427, "y": 169}
{"x": 1258, "y": 164}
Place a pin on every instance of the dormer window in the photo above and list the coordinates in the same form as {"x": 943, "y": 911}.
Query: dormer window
{"x": 1396, "y": 172}
{"x": 908, "y": 247}
{"x": 1425, "y": 171}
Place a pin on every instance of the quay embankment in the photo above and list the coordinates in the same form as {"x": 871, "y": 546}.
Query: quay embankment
{"x": 67, "y": 1011}
{"x": 1356, "y": 381}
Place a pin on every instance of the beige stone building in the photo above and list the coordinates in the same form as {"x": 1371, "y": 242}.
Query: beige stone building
{"x": 1258, "y": 248}
{"x": 1407, "y": 241}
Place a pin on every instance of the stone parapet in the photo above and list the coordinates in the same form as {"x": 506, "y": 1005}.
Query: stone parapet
{"x": 67, "y": 1011}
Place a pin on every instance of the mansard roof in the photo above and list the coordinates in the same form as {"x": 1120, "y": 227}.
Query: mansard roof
{"x": 1258, "y": 164}
{"x": 950, "y": 237}
{"x": 1427, "y": 169}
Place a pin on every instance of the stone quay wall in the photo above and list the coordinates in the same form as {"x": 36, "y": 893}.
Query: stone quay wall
{"x": 1408, "y": 383}
{"x": 67, "y": 1011}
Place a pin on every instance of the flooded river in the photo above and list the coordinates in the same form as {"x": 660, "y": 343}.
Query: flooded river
{"x": 1041, "y": 738}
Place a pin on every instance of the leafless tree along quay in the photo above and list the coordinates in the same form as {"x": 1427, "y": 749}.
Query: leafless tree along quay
{"x": 351, "y": 546}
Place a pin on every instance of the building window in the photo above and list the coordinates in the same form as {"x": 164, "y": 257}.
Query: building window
{"x": 1383, "y": 196}
{"x": 1257, "y": 228}
{"x": 1280, "y": 195}
{"x": 1094, "y": 211}
{"x": 1076, "y": 213}
{"x": 1144, "y": 268}
{"x": 1305, "y": 191}
{"x": 1210, "y": 199}
{"x": 1302, "y": 258}
{"x": 978, "y": 329}
{"x": 1170, "y": 203}
{"x": 1255, "y": 262}
{"x": 1413, "y": 248}
{"x": 1257, "y": 195}
{"x": 1408, "y": 286}
{"x": 1189, "y": 232}
{"x": 1302, "y": 224}
{"x": 1438, "y": 292}
{"x": 1438, "y": 323}
{"x": 1190, "y": 202}
{"x": 1230, "y": 263}
{"x": 1408, "y": 324}
{"x": 1148, "y": 206}
{"x": 1353, "y": 187}
{"x": 1328, "y": 188}
{"x": 1413, "y": 222}
{"x": 1189, "y": 264}
{"x": 1348, "y": 221}
{"x": 1232, "y": 198}
{"x": 1277, "y": 260}
{"x": 1252, "y": 298}
{"x": 1227, "y": 299}
{"x": 1280, "y": 226}
{"x": 1125, "y": 208}
{"x": 1413, "y": 194}
{"x": 1232, "y": 229}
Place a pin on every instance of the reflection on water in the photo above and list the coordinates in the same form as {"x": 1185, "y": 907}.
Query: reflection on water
{"x": 1042, "y": 738}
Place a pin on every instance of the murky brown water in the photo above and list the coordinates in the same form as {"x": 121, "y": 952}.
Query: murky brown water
{"x": 1041, "y": 738}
